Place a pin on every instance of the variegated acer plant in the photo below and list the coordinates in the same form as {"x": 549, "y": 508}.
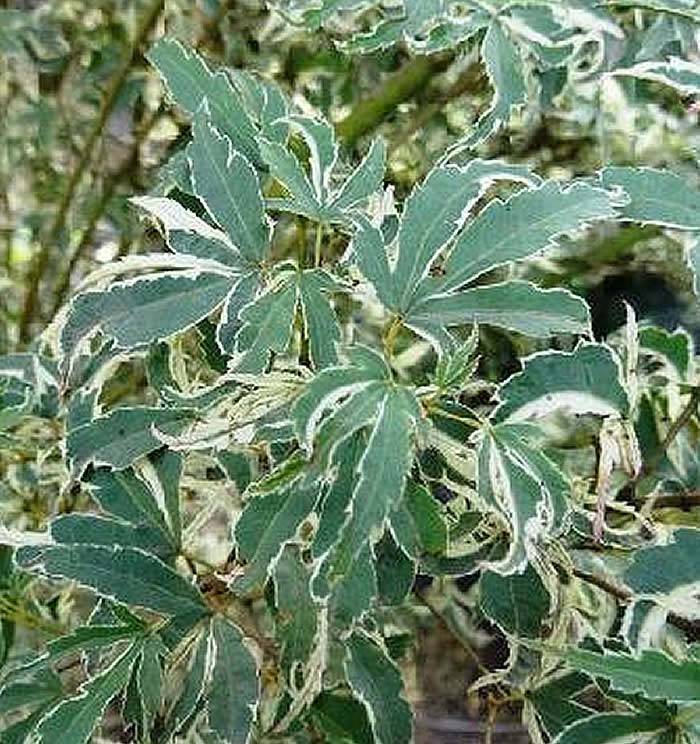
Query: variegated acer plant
{"x": 313, "y": 452}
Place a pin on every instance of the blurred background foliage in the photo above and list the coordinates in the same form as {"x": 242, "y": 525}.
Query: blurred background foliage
{"x": 85, "y": 125}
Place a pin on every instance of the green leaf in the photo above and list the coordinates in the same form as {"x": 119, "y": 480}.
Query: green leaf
{"x": 556, "y": 704}
{"x": 233, "y": 696}
{"x": 190, "y": 81}
{"x": 456, "y": 367}
{"x": 123, "y": 574}
{"x": 445, "y": 196}
{"x": 504, "y": 69}
{"x": 334, "y": 506}
{"x": 287, "y": 169}
{"x": 418, "y": 524}
{"x": 395, "y": 571}
{"x": 613, "y": 728}
{"x": 132, "y": 499}
{"x": 227, "y": 185}
{"x": 265, "y": 103}
{"x": 524, "y": 225}
{"x": 40, "y": 691}
{"x": 656, "y": 197}
{"x": 318, "y": 198}
{"x": 242, "y": 294}
{"x": 84, "y": 640}
{"x": 185, "y": 232}
{"x": 587, "y": 380}
{"x": 352, "y": 594}
{"x": 296, "y": 619}
{"x": 342, "y": 719}
{"x": 369, "y": 251}
{"x": 166, "y": 486}
{"x": 319, "y": 137}
{"x": 320, "y": 321}
{"x": 74, "y": 720}
{"x": 377, "y": 683}
{"x": 266, "y": 326}
{"x": 675, "y": 349}
{"x": 140, "y": 311}
{"x": 364, "y": 181}
{"x": 432, "y": 215}
{"x": 86, "y": 529}
{"x": 668, "y": 574}
{"x": 680, "y": 74}
{"x": 121, "y": 437}
{"x": 269, "y": 520}
{"x": 331, "y": 385}
{"x": 382, "y": 473}
{"x": 197, "y": 678}
{"x": 653, "y": 673}
{"x": 518, "y": 604}
{"x": 144, "y": 694}
{"x": 509, "y": 489}
{"x": 523, "y": 441}
{"x": 515, "y": 305}
{"x": 238, "y": 467}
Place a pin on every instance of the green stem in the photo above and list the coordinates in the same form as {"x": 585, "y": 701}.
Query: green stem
{"x": 40, "y": 263}
{"x": 400, "y": 87}
{"x": 317, "y": 247}
{"x": 674, "y": 430}
{"x": 390, "y": 334}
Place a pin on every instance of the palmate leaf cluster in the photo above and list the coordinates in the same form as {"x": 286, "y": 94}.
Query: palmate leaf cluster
{"x": 311, "y": 354}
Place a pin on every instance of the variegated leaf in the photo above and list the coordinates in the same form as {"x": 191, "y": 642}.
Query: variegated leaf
{"x": 587, "y": 380}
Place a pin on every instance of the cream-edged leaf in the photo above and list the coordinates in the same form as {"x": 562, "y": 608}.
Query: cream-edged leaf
{"x": 656, "y": 197}
{"x": 586, "y": 380}
{"x": 226, "y": 183}
{"x": 515, "y": 305}
{"x": 523, "y": 226}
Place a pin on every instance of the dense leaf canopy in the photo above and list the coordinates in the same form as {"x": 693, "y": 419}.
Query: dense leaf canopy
{"x": 343, "y": 365}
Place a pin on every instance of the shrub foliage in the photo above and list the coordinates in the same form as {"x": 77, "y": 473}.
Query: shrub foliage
{"x": 315, "y": 446}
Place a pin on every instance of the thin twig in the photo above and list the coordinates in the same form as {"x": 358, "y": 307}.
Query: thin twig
{"x": 675, "y": 429}
{"x": 424, "y": 599}
{"x": 40, "y": 263}
{"x": 111, "y": 182}
{"x": 682, "y": 420}
{"x": 624, "y": 595}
